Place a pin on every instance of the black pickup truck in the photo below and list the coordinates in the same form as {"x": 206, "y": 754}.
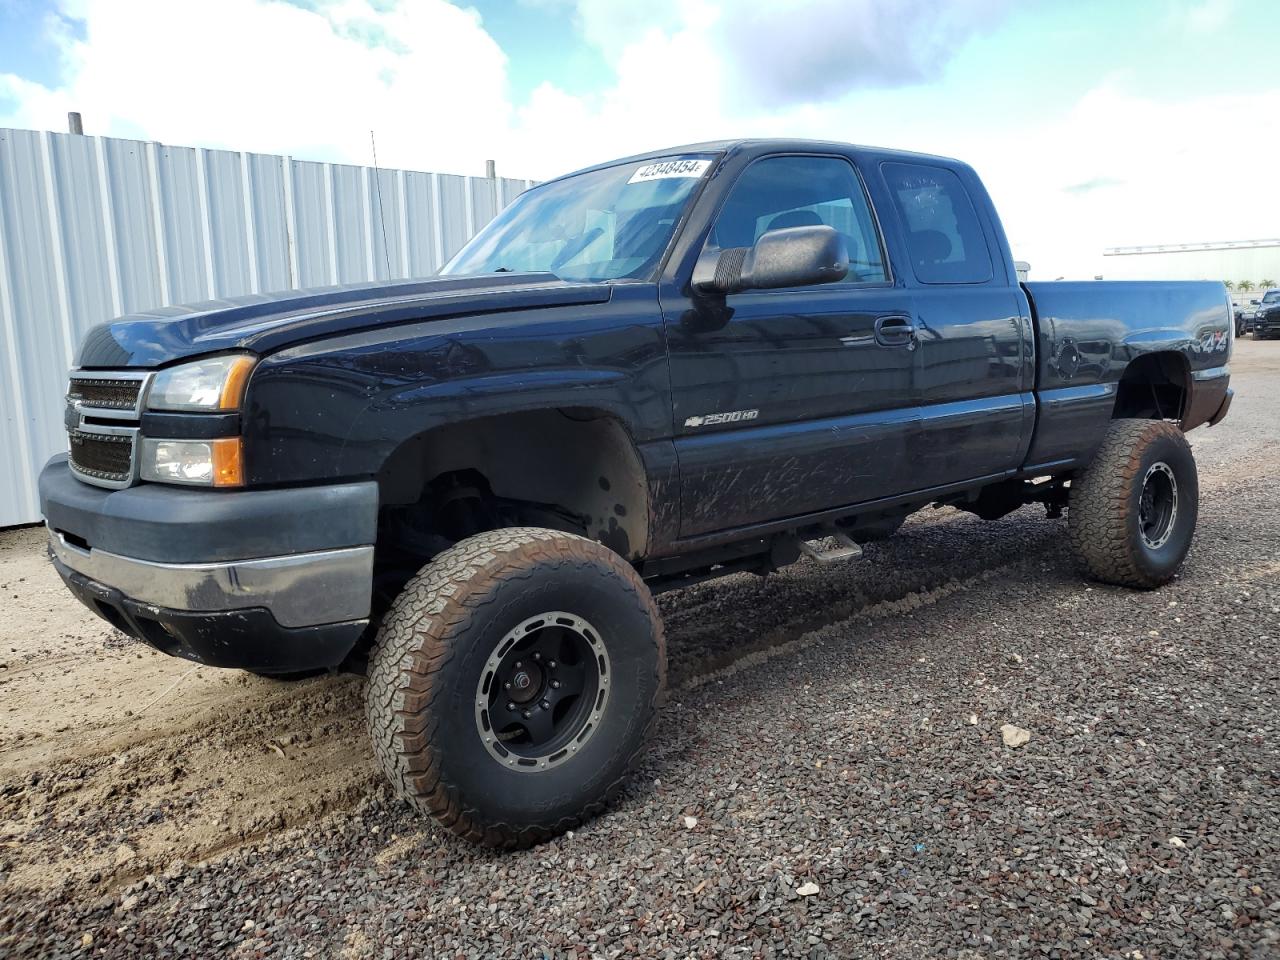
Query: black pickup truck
{"x": 1266, "y": 317}
{"x": 709, "y": 359}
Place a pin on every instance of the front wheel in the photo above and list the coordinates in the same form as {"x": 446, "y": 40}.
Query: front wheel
{"x": 513, "y": 684}
{"x": 1133, "y": 511}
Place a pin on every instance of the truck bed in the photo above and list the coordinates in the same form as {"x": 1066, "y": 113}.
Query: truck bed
{"x": 1087, "y": 332}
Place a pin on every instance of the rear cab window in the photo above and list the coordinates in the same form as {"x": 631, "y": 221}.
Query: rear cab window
{"x": 944, "y": 238}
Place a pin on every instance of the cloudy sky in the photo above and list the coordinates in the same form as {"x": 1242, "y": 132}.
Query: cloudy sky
{"x": 1095, "y": 123}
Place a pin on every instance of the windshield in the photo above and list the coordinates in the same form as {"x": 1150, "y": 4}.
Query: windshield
{"x": 610, "y": 224}
{"x": 1272, "y": 296}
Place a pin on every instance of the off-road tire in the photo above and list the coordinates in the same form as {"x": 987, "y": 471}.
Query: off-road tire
{"x": 430, "y": 654}
{"x": 1103, "y": 522}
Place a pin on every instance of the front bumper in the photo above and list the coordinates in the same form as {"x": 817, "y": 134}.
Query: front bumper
{"x": 247, "y": 639}
{"x": 273, "y": 581}
{"x": 300, "y": 590}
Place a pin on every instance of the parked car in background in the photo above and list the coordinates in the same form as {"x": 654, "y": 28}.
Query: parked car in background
{"x": 1244, "y": 314}
{"x": 1265, "y": 321}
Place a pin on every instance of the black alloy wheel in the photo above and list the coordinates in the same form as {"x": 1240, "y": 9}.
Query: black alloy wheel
{"x": 543, "y": 691}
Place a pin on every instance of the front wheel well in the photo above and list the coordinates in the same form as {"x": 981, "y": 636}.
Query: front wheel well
{"x": 569, "y": 469}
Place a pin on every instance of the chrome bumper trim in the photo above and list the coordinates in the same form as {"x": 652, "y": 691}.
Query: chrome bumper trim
{"x": 1213, "y": 373}
{"x": 301, "y": 590}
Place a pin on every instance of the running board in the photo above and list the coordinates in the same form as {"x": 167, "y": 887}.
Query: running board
{"x": 848, "y": 550}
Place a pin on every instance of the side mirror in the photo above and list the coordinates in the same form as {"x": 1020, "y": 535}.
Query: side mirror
{"x": 1255, "y": 301}
{"x": 789, "y": 257}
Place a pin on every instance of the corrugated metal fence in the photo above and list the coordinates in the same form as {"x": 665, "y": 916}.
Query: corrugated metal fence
{"x": 93, "y": 227}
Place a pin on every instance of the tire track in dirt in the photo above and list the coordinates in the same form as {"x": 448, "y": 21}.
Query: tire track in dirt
{"x": 102, "y": 807}
{"x": 126, "y": 806}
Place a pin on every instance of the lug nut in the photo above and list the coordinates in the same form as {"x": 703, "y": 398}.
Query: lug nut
{"x": 527, "y": 714}
{"x": 519, "y": 664}
{"x": 546, "y": 704}
{"x": 555, "y": 684}
{"x": 507, "y": 685}
{"x": 537, "y": 655}
{"x": 511, "y": 706}
{"x": 551, "y": 664}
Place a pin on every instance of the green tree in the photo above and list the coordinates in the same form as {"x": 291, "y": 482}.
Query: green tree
{"x": 1244, "y": 286}
{"x": 1266, "y": 284}
{"x": 1229, "y": 284}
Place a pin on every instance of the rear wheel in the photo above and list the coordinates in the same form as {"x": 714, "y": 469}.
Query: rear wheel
{"x": 1133, "y": 511}
{"x": 513, "y": 684}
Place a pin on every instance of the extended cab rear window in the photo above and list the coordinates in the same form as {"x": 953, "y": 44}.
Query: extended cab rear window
{"x": 944, "y": 238}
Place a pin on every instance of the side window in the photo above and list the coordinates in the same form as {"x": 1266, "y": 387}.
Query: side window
{"x": 779, "y": 192}
{"x": 944, "y": 237}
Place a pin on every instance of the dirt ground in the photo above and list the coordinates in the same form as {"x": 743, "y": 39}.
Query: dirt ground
{"x": 118, "y": 763}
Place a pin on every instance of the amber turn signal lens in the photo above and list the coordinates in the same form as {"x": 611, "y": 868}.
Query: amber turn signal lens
{"x": 233, "y": 387}
{"x": 228, "y": 462}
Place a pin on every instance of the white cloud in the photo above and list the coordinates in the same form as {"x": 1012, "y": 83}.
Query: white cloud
{"x": 273, "y": 77}
{"x": 1202, "y": 16}
{"x": 811, "y": 51}
{"x": 1122, "y": 170}
{"x": 269, "y": 76}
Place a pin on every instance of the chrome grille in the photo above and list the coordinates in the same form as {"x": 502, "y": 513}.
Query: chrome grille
{"x": 112, "y": 394}
{"x": 104, "y": 412}
{"x": 102, "y": 456}
{"x": 116, "y": 395}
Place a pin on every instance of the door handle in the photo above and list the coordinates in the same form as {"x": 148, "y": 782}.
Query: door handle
{"x": 895, "y": 331}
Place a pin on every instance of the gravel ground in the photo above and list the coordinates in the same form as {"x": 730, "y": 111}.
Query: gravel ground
{"x": 829, "y": 776}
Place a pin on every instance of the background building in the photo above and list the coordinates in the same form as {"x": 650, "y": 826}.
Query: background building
{"x": 95, "y": 227}
{"x": 1255, "y": 261}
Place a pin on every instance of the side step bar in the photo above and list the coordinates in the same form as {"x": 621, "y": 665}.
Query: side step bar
{"x": 848, "y": 550}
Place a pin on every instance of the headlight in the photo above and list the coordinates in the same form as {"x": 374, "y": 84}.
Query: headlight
{"x": 207, "y": 385}
{"x": 207, "y": 463}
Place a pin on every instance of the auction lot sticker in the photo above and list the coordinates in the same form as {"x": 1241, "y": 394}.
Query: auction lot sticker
{"x": 677, "y": 167}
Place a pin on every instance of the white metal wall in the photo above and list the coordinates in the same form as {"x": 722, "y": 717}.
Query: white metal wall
{"x": 1255, "y": 261}
{"x": 93, "y": 227}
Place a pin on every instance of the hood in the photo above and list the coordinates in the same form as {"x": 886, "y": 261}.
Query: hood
{"x": 267, "y": 322}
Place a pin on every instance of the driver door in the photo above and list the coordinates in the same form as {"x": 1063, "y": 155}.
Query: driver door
{"x": 792, "y": 401}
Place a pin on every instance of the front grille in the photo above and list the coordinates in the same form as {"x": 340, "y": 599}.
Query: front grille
{"x": 103, "y": 415}
{"x": 111, "y": 394}
{"x": 102, "y": 456}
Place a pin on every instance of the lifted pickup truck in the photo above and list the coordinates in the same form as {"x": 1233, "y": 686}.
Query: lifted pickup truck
{"x": 654, "y": 371}
{"x": 1266, "y": 317}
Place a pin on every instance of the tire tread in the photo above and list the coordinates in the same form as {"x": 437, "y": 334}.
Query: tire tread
{"x": 420, "y": 636}
{"x": 1099, "y": 506}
